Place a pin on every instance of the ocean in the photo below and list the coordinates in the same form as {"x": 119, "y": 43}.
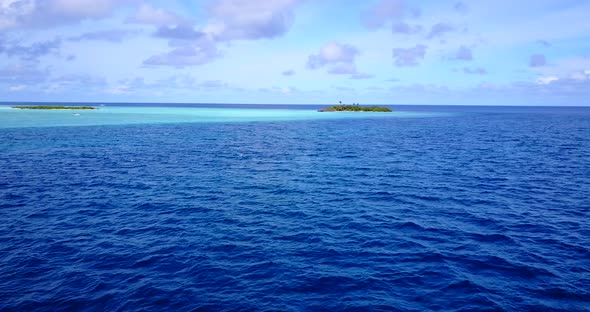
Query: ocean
{"x": 139, "y": 207}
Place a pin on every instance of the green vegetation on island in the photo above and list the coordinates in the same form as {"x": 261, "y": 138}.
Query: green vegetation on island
{"x": 355, "y": 108}
{"x": 54, "y": 107}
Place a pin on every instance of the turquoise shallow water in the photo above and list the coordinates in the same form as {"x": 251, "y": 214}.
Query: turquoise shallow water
{"x": 113, "y": 115}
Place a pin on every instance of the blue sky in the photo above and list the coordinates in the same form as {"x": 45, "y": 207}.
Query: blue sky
{"x": 296, "y": 51}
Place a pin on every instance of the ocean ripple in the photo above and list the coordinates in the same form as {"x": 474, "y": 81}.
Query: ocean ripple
{"x": 474, "y": 212}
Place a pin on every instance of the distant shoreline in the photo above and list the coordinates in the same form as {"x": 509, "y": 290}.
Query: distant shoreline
{"x": 46, "y": 107}
{"x": 356, "y": 108}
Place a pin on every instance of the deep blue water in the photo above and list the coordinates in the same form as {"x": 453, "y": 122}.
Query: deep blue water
{"x": 487, "y": 209}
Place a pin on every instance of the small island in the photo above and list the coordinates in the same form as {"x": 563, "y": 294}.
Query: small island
{"x": 54, "y": 107}
{"x": 355, "y": 108}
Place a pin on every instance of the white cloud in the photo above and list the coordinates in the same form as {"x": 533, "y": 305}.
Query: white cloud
{"x": 82, "y": 8}
{"x": 228, "y": 20}
{"x": 581, "y": 75}
{"x": 386, "y": 10}
{"x": 340, "y": 59}
{"x": 546, "y": 80}
{"x": 333, "y": 53}
{"x": 120, "y": 89}
{"x": 189, "y": 53}
{"x": 250, "y": 19}
{"x": 288, "y": 90}
{"x": 568, "y": 69}
{"x": 147, "y": 14}
{"x": 16, "y": 88}
{"x": 47, "y": 13}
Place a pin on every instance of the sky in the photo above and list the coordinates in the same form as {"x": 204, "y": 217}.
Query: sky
{"x": 434, "y": 52}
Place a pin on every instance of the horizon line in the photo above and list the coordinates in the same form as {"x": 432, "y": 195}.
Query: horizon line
{"x": 262, "y": 104}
